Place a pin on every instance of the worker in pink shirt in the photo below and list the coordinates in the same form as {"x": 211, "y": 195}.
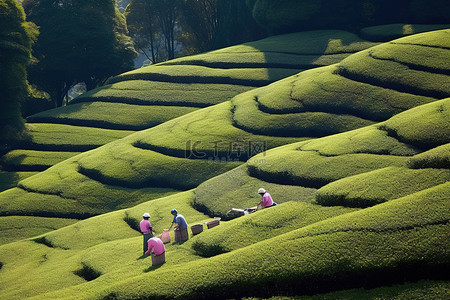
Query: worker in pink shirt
{"x": 159, "y": 251}
{"x": 146, "y": 229}
{"x": 266, "y": 200}
{"x": 156, "y": 245}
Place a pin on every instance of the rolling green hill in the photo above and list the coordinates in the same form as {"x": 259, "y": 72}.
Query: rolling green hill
{"x": 355, "y": 152}
{"x": 399, "y": 241}
{"x": 152, "y": 95}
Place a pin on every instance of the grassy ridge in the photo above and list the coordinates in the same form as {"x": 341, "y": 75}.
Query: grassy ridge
{"x": 170, "y": 90}
{"x": 20, "y": 227}
{"x": 185, "y": 151}
{"x": 358, "y": 244}
{"x": 162, "y": 93}
{"x": 384, "y": 33}
{"x": 106, "y": 115}
{"x": 268, "y": 252}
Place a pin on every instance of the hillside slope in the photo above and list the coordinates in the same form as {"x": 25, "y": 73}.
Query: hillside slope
{"x": 355, "y": 153}
{"x": 183, "y": 152}
{"x": 152, "y": 95}
{"x": 328, "y": 246}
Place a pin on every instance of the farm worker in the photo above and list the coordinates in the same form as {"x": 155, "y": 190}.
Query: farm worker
{"x": 146, "y": 229}
{"x": 266, "y": 200}
{"x": 156, "y": 245}
{"x": 181, "y": 231}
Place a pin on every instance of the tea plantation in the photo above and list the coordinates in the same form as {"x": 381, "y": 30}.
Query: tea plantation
{"x": 350, "y": 138}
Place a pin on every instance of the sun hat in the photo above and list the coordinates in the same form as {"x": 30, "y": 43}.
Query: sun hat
{"x": 173, "y": 211}
{"x": 261, "y": 191}
{"x": 146, "y": 215}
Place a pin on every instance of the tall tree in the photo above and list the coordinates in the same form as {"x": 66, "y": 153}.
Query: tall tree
{"x": 200, "y": 20}
{"x": 152, "y": 23}
{"x": 141, "y": 21}
{"x": 16, "y": 37}
{"x": 80, "y": 41}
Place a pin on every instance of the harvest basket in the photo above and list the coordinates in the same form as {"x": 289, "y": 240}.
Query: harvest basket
{"x": 213, "y": 223}
{"x": 196, "y": 229}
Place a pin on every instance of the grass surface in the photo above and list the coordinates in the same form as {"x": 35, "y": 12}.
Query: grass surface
{"x": 373, "y": 198}
{"x": 16, "y": 228}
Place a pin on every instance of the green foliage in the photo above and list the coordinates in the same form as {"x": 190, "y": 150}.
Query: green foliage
{"x": 429, "y": 129}
{"x": 427, "y": 77}
{"x": 265, "y": 224}
{"x": 92, "y": 44}
{"x": 379, "y": 186}
{"x": 10, "y": 179}
{"x": 199, "y": 74}
{"x": 385, "y": 33}
{"x": 360, "y": 246}
{"x": 323, "y": 89}
{"x": 32, "y": 160}
{"x": 73, "y": 138}
{"x": 16, "y": 228}
{"x": 247, "y": 116}
{"x": 311, "y": 169}
{"x": 118, "y": 116}
{"x": 281, "y": 16}
{"x": 15, "y": 52}
{"x": 437, "y": 158}
{"x": 236, "y": 189}
{"x": 163, "y": 93}
{"x": 270, "y": 251}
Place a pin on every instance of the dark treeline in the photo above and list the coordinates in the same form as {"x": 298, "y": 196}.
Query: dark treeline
{"x": 164, "y": 29}
{"x": 281, "y": 16}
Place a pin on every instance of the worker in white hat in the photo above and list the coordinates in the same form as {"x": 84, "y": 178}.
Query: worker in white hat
{"x": 146, "y": 229}
{"x": 266, "y": 200}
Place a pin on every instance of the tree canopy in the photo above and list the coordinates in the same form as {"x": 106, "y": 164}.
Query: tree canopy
{"x": 16, "y": 37}
{"x": 281, "y": 16}
{"x": 190, "y": 26}
{"x": 80, "y": 41}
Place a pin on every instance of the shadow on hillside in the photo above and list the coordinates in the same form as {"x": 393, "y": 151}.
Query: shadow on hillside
{"x": 8, "y": 180}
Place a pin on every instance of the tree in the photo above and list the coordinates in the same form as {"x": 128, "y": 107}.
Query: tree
{"x": 143, "y": 28}
{"x": 200, "y": 20}
{"x": 80, "y": 41}
{"x": 153, "y": 21}
{"x": 16, "y": 38}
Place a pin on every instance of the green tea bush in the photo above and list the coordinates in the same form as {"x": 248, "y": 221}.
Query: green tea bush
{"x": 10, "y": 179}
{"x": 236, "y": 189}
{"x": 60, "y": 137}
{"x": 162, "y": 93}
{"x": 379, "y": 186}
{"x": 32, "y": 160}
{"x": 261, "y": 225}
{"x": 311, "y": 169}
{"x": 323, "y": 89}
{"x": 371, "y": 241}
{"x": 396, "y": 73}
{"x": 386, "y": 33}
{"x": 430, "y": 127}
{"x": 310, "y": 124}
{"x": 437, "y": 158}
{"x": 16, "y": 228}
{"x": 118, "y": 116}
{"x": 198, "y": 74}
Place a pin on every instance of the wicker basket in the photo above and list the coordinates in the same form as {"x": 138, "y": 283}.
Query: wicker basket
{"x": 158, "y": 259}
{"x": 196, "y": 229}
{"x": 213, "y": 223}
